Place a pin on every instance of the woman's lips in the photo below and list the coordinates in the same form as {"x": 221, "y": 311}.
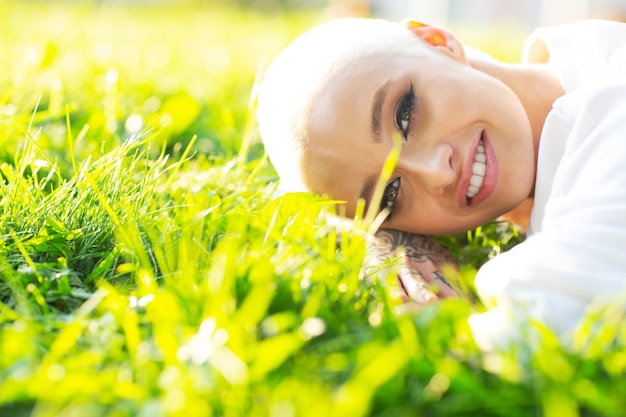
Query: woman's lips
{"x": 480, "y": 172}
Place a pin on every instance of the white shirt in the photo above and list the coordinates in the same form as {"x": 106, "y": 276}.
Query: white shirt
{"x": 575, "y": 252}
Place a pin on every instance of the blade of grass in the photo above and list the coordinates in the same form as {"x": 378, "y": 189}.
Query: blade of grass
{"x": 242, "y": 156}
{"x": 385, "y": 175}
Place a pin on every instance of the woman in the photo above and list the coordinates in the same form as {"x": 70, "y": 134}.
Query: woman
{"x": 478, "y": 138}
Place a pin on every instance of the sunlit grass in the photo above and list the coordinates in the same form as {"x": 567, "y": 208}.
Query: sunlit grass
{"x": 186, "y": 70}
{"x": 146, "y": 268}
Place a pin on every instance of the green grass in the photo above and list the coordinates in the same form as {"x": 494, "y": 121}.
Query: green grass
{"x": 147, "y": 270}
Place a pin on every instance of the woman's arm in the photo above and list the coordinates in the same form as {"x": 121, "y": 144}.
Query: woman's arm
{"x": 424, "y": 260}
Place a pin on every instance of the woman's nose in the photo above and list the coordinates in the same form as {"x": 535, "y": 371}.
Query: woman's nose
{"x": 433, "y": 167}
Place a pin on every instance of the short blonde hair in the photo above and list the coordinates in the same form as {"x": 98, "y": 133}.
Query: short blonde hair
{"x": 294, "y": 79}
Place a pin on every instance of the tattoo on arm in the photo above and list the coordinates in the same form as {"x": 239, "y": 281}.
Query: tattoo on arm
{"x": 443, "y": 279}
{"x": 418, "y": 248}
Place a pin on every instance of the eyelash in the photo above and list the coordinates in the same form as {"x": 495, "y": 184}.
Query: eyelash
{"x": 404, "y": 113}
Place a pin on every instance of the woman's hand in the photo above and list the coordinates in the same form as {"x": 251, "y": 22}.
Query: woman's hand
{"x": 421, "y": 277}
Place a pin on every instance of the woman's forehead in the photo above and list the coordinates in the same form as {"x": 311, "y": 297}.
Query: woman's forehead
{"x": 347, "y": 94}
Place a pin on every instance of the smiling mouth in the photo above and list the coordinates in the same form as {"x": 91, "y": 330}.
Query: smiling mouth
{"x": 479, "y": 167}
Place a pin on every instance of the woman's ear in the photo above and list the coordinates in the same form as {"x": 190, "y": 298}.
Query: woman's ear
{"x": 436, "y": 37}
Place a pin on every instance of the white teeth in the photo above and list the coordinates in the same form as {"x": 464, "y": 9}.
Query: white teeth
{"x": 478, "y": 171}
{"x": 476, "y": 180}
{"x": 479, "y": 168}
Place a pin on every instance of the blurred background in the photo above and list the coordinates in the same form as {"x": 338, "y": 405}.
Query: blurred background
{"x": 524, "y": 14}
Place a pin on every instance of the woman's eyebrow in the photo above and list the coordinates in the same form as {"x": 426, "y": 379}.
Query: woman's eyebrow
{"x": 377, "y": 111}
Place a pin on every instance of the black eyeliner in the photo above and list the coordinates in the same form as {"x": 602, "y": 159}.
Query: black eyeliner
{"x": 384, "y": 203}
{"x": 406, "y": 105}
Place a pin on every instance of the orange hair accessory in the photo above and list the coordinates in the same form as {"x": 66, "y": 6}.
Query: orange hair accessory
{"x": 436, "y": 40}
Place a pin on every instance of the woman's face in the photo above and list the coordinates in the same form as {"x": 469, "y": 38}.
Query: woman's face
{"x": 466, "y": 156}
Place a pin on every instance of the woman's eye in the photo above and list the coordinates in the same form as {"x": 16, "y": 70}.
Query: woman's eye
{"x": 390, "y": 196}
{"x": 404, "y": 112}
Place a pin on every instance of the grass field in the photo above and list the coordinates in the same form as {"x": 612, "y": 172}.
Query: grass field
{"x": 147, "y": 270}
